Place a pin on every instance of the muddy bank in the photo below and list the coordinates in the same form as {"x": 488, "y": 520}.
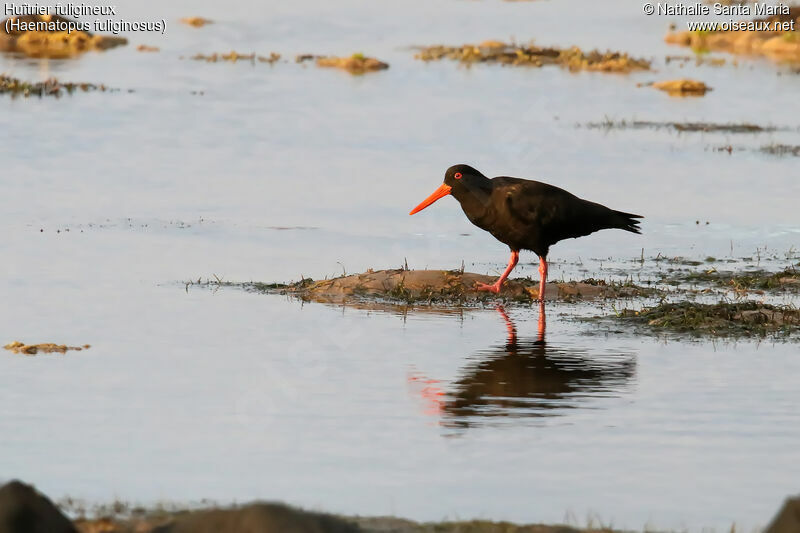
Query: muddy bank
{"x": 776, "y": 37}
{"x": 446, "y": 287}
{"x": 47, "y": 36}
{"x": 533, "y": 56}
{"x": 682, "y": 87}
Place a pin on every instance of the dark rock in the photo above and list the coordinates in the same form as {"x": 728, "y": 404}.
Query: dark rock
{"x": 788, "y": 518}
{"x": 23, "y": 510}
{"x": 258, "y": 518}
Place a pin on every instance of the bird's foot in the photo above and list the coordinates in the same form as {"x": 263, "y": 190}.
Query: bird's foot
{"x": 495, "y": 287}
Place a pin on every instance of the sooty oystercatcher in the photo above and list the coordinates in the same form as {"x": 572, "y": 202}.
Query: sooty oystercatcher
{"x": 525, "y": 214}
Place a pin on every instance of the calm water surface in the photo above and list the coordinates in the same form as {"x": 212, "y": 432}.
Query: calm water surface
{"x": 113, "y": 199}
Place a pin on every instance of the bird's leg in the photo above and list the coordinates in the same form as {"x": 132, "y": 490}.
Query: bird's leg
{"x": 542, "y": 321}
{"x": 495, "y": 287}
{"x": 542, "y": 276}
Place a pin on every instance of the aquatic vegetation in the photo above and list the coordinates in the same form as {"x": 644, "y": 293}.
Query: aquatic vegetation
{"x": 234, "y": 56}
{"x": 48, "y": 347}
{"x": 705, "y": 127}
{"x": 146, "y": 48}
{"x": 530, "y": 55}
{"x": 720, "y": 319}
{"x": 741, "y": 282}
{"x": 51, "y": 87}
{"x": 781, "y": 149}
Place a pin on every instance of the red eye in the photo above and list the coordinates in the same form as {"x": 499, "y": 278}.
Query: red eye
{"x": 457, "y": 175}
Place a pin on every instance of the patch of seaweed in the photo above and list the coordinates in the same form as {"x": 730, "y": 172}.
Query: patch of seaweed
{"x": 723, "y": 319}
{"x": 781, "y": 150}
{"x": 234, "y": 56}
{"x": 50, "y": 87}
{"x": 787, "y": 280}
{"x": 533, "y": 56}
{"x": 706, "y": 127}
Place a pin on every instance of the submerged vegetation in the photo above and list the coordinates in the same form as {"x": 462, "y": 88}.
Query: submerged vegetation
{"x": 706, "y": 127}
{"x": 726, "y": 319}
{"x": 533, "y": 56}
{"x": 234, "y": 56}
{"x": 741, "y": 282}
{"x": 51, "y": 87}
{"x": 355, "y": 64}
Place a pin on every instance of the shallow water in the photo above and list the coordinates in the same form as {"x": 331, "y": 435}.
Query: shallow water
{"x": 190, "y": 394}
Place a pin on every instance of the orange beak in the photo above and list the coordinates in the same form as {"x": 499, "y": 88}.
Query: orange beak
{"x": 441, "y": 192}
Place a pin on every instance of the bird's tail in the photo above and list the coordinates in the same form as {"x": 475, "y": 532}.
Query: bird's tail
{"x": 627, "y": 221}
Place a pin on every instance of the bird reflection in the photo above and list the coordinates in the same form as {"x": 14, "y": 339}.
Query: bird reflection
{"x": 526, "y": 378}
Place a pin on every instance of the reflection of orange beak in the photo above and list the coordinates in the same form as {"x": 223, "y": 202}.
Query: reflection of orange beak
{"x": 442, "y": 191}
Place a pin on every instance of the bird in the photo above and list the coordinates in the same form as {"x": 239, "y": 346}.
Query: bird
{"x": 525, "y": 215}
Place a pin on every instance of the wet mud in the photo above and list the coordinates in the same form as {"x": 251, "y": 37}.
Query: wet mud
{"x": 442, "y": 287}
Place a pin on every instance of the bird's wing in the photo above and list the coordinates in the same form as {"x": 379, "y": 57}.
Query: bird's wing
{"x": 553, "y": 211}
{"x": 533, "y": 202}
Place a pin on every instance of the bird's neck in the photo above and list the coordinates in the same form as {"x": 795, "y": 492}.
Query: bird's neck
{"x": 474, "y": 199}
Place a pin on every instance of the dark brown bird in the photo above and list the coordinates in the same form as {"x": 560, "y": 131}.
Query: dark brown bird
{"x": 525, "y": 214}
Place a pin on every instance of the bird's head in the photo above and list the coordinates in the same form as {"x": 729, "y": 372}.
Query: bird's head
{"x": 458, "y": 181}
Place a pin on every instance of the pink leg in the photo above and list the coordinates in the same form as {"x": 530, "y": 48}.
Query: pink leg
{"x": 542, "y": 276}
{"x": 542, "y": 321}
{"x": 495, "y": 287}
{"x": 512, "y": 331}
